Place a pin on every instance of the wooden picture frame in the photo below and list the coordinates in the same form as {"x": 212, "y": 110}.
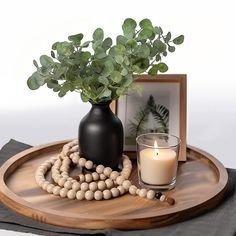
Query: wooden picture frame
{"x": 171, "y": 89}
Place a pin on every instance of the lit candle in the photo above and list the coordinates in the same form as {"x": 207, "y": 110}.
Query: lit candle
{"x": 157, "y": 166}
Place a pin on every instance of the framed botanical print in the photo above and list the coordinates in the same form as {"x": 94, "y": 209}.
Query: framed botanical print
{"x": 159, "y": 108}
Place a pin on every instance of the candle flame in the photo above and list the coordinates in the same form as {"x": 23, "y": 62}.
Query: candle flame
{"x": 156, "y": 148}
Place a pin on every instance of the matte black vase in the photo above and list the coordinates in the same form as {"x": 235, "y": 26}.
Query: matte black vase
{"x": 101, "y": 136}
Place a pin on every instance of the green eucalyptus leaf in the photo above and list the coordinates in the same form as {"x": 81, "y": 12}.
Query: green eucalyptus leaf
{"x": 171, "y": 48}
{"x": 145, "y": 33}
{"x": 128, "y": 28}
{"x": 164, "y": 54}
{"x": 153, "y": 70}
{"x": 100, "y": 53}
{"x": 36, "y": 80}
{"x": 107, "y": 43}
{"x": 98, "y": 34}
{"x": 158, "y": 58}
{"x": 116, "y": 76}
{"x": 53, "y": 54}
{"x": 105, "y": 93}
{"x": 157, "y": 30}
{"x": 162, "y": 67}
{"x": 109, "y": 67}
{"x": 120, "y": 39}
{"x": 76, "y": 38}
{"x": 146, "y": 24}
{"x": 35, "y": 64}
{"x": 103, "y": 80}
{"x": 119, "y": 59}
{"x": 54, "y": 46}
{"x": 144, "y": 51}
{"x": 85, "y": 56}
{"x": 159, "y": 45}
{"x": 124, "y": 72}
{"x": 85, "y": 44}
{"x": 178, "y": 40}
{"x": 46, "y": 61}
{"x": 84, "y": 96}
{"x": 128, "y": 80}
{"x": 65, "y": 48}
{"x": 132, "y": 43}
{"x": 168, "y": 37}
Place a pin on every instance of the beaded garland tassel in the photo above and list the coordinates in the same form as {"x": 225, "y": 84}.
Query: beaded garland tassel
{"x": 101, "y": 183}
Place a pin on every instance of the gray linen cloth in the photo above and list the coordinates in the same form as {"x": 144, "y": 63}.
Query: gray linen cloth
{"x": 220, "y": 221}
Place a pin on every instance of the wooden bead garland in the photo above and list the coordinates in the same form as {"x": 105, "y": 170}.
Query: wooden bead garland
{"x": 103, "y": 183}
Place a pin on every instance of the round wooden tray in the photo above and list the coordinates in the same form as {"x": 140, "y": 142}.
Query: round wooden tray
{"x": 201, "y": 184}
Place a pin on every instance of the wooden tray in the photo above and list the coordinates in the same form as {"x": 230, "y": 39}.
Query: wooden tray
{"x": 201, "y": 184}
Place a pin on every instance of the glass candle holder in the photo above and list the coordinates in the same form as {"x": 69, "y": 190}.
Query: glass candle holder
{"x": 157, "y": 157}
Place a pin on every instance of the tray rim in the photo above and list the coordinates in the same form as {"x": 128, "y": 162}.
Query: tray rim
{"x": 8, "y": 197}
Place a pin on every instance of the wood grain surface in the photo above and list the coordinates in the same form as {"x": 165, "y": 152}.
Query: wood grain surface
{"x": 201, "y": 184}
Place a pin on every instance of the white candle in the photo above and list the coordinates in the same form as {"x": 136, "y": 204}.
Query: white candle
{"x": 157, "y": 166}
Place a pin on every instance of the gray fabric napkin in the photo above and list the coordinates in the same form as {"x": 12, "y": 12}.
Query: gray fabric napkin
{"x": 220, "y": 221}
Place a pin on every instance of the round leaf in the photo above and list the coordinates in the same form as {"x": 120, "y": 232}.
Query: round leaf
{"x": 179, "y": 40}
{"x": 98, "y": 34}
{"x": 116, "y": 76}
{"x": 120, "y": 39}
{"x": 46, "y": 61}
{"x": 64, "y": 48}
{"x": 128, "y": 27}
{"x": 162, "y": 67}
{"x": 76, "y": 38}
{"x": 107, "y": 43}
{"x": 145, "y": 33}
{"x": 146, "y": 24}
{"x": 171, "y": 48}
{"x": 103, "y": 80}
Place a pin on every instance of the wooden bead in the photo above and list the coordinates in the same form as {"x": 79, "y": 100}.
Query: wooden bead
{"x": 45, "y": 185}
{"x": 151, "y": 194}
{"x": 107, "y": 171}
{"x": 102, "y": 177}
{"x": 89, "y": 164}
{"x": 109, "y": 183}
{"x": 88, "y": 178}
{"x": 71, "y": 194}
{"x": 82, "y": 162}
{"x": 162, "y": 198}
{"x": 81, "y": 178}
{"x": 84, "y": 186}
{"x": 137, "y": 191}
{"x": 68, "y": 184}
{"x": 80, "y": 195}
{"x": 76, "y": 186}
{"x": 98, "y": 195}
{"x": 106, "y": 194}
{"x": 170, "y": 200}
{"x": 121, "y": 189}
{"x": 126, "y": 184}
{"x": 75, "y": 159}
{"x": 132, "y": 189}
{"x": 50, "y": 188}
{"x": 115, "y": 192}
{"x": 142, "y": 192}
{"x": 61, "y": 182}
{"x": 89, "y": 195}
{"x": 93, "y": 186}
{"x": 120, "y": 180}
{"x": 114, "y": 175}
{"x": 95, "y": 176}
{"x": 101, "y": 185}
{"x": 56, "y": 190}
{"x": 100, "y": 169}
{"x": 63, "y": 192}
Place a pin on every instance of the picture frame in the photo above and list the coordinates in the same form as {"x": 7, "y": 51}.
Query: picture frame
{"x": 162, "y": 105}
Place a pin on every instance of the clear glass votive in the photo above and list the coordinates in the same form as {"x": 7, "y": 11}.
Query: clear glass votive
{"x": 157, "y": 157}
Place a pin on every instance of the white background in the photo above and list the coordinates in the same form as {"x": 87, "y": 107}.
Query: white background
{"x": 28, "y": 28}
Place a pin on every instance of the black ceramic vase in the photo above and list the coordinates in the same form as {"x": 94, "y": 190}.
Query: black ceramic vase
{"x": 101, "y": 136}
